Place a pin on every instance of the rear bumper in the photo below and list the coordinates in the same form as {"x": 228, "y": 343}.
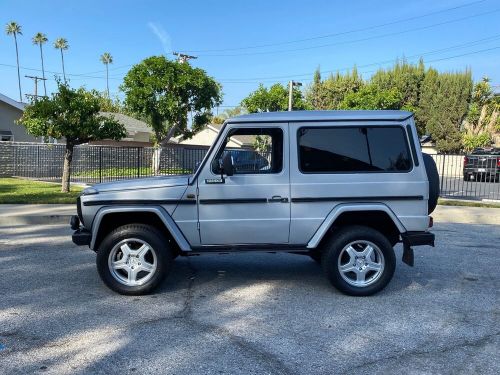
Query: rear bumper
{"x": 81, "y": 237}
{"x": 418, "y": 238}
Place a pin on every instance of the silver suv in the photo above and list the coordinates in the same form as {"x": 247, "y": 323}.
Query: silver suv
{"x": 343, "y": 187}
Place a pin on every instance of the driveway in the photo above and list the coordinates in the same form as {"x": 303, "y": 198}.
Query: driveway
{"x": 249, "y": 313}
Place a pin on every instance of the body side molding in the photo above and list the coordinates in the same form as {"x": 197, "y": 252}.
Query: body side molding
{"x": 343, "y": 207}
{"x": 159, "y": 211}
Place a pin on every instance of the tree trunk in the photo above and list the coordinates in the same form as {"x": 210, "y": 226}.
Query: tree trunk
{"x": 18, "y": 72}
{"x": 43, "y": 71}
{"x": 62, "y": 60}
{"x": 68, "y": 157}
{"x": 107, "y": 80}
{"x": 155, "y": 160}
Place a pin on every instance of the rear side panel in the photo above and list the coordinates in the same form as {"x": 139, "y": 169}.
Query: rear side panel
{"x": 315, "y": 196}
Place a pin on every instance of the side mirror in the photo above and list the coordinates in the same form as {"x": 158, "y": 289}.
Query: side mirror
{"x": 227, "y": 166}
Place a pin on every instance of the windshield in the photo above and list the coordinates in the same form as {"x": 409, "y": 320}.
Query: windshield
{"x": 202, "y": 163}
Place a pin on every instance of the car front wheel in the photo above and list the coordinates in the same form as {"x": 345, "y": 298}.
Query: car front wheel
{"x": 134, "y": 259}
{"x": 359, "y": 261}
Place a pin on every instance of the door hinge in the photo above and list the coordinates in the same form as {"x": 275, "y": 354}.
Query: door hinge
{"x": 198, "y": 225}
{"x": 197, "y": 191}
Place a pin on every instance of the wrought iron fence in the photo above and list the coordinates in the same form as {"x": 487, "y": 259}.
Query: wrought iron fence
{"x": 94, "y": 164}
{"x": 463, "y": 177}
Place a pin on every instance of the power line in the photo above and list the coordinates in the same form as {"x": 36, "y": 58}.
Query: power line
{"x": 458, "y": 46}
{"x": 341, "y": 32}
{"x": 375, "y": 70}
{"x": 353, "y": 40}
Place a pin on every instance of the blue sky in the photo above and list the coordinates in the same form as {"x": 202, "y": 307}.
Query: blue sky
{"x": 220, "y": 32}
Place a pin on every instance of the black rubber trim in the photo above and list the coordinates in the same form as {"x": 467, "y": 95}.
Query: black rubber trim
{"x": 82, "y": 237}
{"x": 231, "y": 201}
{"x": 245, "y": 247}
{"x": 418, "y": 238}
{"x": 138, "y": 202}
{"x": 357, "y": 199}
{"x": 358, "y": 120}
{"x": 412, "y": 145}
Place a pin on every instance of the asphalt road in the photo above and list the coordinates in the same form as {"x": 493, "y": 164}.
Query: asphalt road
{"x": 458, "y": 188}
{"x": 249, "y": 313}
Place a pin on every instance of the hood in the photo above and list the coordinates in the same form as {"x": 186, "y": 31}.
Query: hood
{"x": 143, "y": 183}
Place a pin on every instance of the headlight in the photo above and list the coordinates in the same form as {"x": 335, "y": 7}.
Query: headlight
{"x": 89, "y": 191}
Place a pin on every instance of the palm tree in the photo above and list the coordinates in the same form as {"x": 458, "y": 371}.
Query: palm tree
{"x": 107, "y": 59}
{"x": 40, "y": 39}
{"x": 62, "y": 45}
{"x": 13, "y": 28}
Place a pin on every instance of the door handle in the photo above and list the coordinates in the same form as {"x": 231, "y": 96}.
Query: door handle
{"x": 277, "y": 199}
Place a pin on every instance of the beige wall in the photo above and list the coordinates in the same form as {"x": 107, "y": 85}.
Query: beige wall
{"x": 206, "y": 137}
{"x": 8, "y": 116}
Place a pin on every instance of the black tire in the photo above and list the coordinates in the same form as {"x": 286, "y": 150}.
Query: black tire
{"x": 335, "y": 249}
{"x": 157, "y": 243}
{"x": 433, "y": 177}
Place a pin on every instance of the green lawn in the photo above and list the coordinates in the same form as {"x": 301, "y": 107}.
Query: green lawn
{"x": 14, "y": 190}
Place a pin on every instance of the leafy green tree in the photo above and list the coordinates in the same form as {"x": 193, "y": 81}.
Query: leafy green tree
{"x": 62, "y": 45}
{"x": 443, "y": 105}
{"x": 273, "y": 99}
{"x": 107, "y": 59}
{"x": 407, "y": 79}
{"x": 41, "y": 39}
{"x": 164, "y": 93}
{"x": 14, "y": 29}
{"x": 329, "y": 93}
{"x": 108, "y": 104}
{"x": 371, "y": 97}
{"x": 73, "y": 115}
{"x": 228, "y": 113}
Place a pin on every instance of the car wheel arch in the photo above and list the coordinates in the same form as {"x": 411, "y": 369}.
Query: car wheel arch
{"x": 108, "y": 218}
{"x": 349, "y": 214}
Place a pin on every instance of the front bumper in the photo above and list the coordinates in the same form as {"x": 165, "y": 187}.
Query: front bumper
{"x": 81, "y": 236}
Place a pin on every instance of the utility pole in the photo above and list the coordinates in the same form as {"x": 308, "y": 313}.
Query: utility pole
{"x": 291, "y": 85}
{"x": 36, "y": 79}
{"x": 183, "y": 58}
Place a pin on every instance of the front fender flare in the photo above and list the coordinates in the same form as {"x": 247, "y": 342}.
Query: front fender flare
{"x": 167, "y": 220}
{"x": 350, "y": 207}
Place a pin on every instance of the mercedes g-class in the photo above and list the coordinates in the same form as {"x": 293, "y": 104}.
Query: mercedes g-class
{"x": 343, "y": 187}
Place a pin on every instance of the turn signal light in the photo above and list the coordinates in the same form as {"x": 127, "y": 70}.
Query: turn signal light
{"x": 467, "y": 160}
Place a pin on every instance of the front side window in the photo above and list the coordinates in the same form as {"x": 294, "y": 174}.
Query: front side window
{"x": 353, "y": 149}
{"x": 254, "y": 151}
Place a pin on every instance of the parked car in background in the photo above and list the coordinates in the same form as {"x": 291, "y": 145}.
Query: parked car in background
{"x": 482, "y": 164}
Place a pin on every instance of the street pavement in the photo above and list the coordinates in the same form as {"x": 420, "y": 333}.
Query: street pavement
{"x": 249, "y": 313}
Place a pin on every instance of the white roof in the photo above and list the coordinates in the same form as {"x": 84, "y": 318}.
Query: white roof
{"x": 12, "y": 102}
{"x": 300, "y": 116}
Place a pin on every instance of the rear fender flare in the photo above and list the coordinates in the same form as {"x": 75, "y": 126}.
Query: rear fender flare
{"x": 340, "y": 209}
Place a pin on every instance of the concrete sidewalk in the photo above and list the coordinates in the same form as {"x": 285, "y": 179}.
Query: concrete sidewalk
{"x": 22, "y": 214}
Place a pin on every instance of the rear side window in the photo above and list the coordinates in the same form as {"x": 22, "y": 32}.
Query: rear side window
{"x": 353, "y": 149}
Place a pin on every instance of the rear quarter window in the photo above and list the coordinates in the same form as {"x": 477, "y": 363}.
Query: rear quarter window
{"x": 354, "y": 149}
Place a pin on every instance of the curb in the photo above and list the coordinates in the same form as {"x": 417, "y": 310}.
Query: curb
{"x": 34, "y": 220}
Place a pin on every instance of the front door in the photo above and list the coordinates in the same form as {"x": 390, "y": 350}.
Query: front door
{"x": 253, "y": 205}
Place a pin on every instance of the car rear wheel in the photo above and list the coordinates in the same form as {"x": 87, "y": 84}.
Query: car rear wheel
{"x": 134, "y": 259}
{"x": 359, "y": 261}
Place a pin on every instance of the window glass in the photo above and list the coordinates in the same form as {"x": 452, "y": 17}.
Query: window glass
{"x": 254, "y": 151}
{"x": 353, "y": 149}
